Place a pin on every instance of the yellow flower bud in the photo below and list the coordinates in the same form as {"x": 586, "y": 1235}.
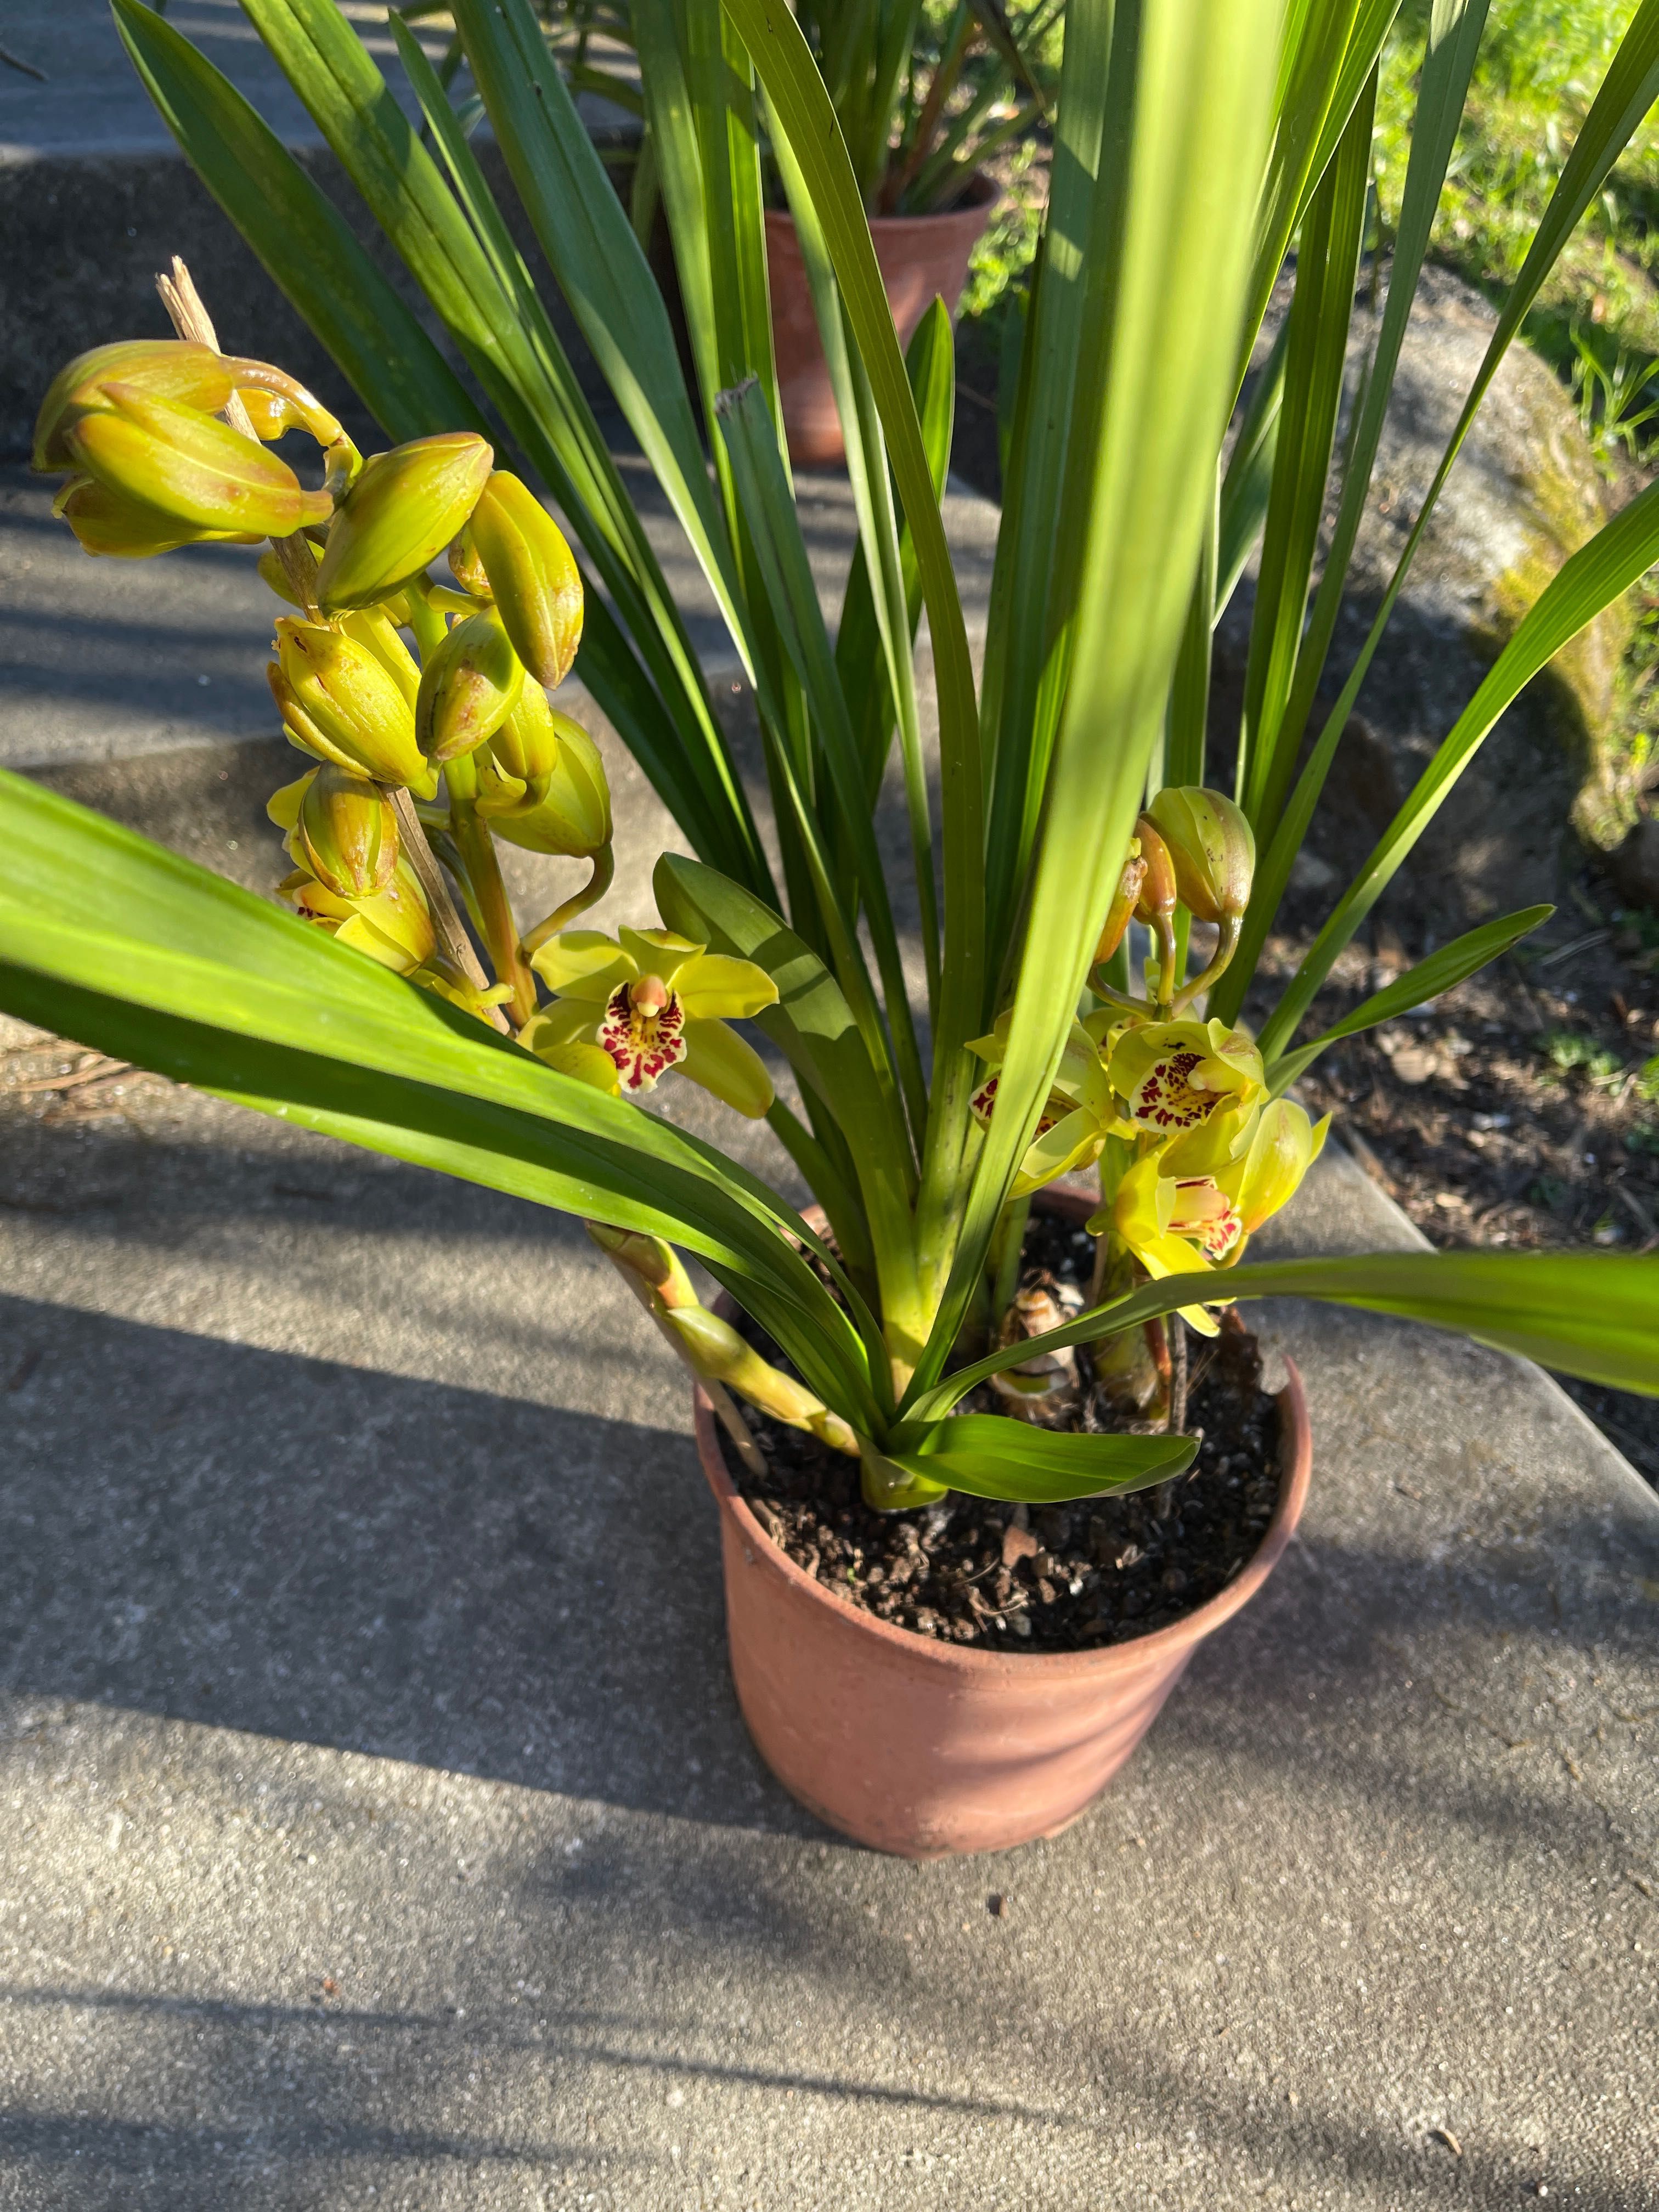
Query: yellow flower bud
{"x": 105, "y": 523}
{"x": 341, "y": 704}
{"x": 392, "y": 926}
{"x": 572, "y": 817}
{"x": 1124, "y": 900}
{"x": 466, "y": 567}
{"x": 469, "y": 687}
{"x": 537, "y": 585}
{"x": 167, "y": 368}
{"x": 377, "y": 629}
{"x": 346, "y": 833}
{"x": 189, "y": 465}
{"x": 402, "y": 510}
{"x": 1213, "y": 847}
{"x": 1155, "y": 900}
{"x": 526, "y": 746}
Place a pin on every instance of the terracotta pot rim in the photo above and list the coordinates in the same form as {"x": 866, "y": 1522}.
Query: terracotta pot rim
{"x": 1295, "y": 1469}
{"x": 979, "y": 193}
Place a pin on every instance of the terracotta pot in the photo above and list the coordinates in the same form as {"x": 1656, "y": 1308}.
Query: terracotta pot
{"x": 927, "y": 1748}
{"x": 922, "y": 257}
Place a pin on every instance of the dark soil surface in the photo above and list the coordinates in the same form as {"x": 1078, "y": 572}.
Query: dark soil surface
{"x": 1043, "y": 1578}
{"x": 1521, "y": 1110}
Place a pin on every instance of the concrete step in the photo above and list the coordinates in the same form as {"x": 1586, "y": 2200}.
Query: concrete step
{"x": 96, "y": 198}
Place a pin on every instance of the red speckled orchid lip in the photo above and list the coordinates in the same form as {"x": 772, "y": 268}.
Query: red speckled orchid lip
{"x": 1166, "y": 1098}
{"x": 1214, "y": 1221}
{"x": 985, "y": 1098}
{"x": 644, "y": 1047}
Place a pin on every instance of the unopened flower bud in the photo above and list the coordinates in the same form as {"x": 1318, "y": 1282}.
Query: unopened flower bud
{"x": 167, "y": 368}
{"x": 572, "y": 817}
{"x": 190, "y": 465}
{"x": 532, "y": 575}
{"x": 393, "y": 925}
{"x": 1213, "y": 847}
{"x": 376, "y": 628}
{"x": 105, "y": 523}
{"x": 526, "y": 746}
{"x": 1155, "y": 899}
{"x": 341, "y": 704}
{"x": 466, "y": 567}
{"x": 1123, "y": 903}
{"x": 346, "y": 833}
{"x": 469, "y": 687}
{"x": 402, "y": 510}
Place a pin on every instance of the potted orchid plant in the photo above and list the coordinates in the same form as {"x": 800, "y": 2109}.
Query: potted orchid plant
{"x": 910, "y": 1379}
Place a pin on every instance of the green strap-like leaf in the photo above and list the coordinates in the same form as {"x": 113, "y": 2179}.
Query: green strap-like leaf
{"x": 988, "y": 1456}
{"x": 751, "y": 438}
{"x": 1442, "y": 972}
{"x": 1191, "y": 93}
{"x": 90, "y": 908}
{"x": 801, "y": 111}
{"x": 1316, "y": 355}
{"x": 1589, "y": 1314}
{"x": 1628, "y": 91}
{"x": 888, "y": 673}
{"x": 679, "y": 744}
{"x": 814, "y": 1028}
{"x": 584, "y": 231}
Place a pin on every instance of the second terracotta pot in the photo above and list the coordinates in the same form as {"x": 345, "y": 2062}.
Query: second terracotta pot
{"x": 922, "y": 257}
{"x": 926, "y": 1748}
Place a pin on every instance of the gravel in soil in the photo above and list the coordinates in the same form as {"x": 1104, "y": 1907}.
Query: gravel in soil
{"x": 1521, "y": 1110}
{"x": 1041, "y": 1578}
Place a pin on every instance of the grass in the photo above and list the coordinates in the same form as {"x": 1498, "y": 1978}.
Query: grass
{"x": 1540, "y": 64}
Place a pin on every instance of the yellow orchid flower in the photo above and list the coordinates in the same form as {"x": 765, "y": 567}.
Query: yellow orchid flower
{"x": 1284, "y": 1145}
{"x": 632, "y": 1008}
{"x": 1174, "y": 1077}
{"x": 1174, "y": 1225}
{"x": 1077, "y": 1120}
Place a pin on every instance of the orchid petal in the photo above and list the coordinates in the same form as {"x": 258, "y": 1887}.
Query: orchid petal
{"x": 715, "y": 987}
{"x": 584, "y": 963}
{"x": 720, "y": 1059}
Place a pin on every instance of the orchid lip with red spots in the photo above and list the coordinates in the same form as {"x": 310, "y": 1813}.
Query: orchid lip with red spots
{"x": 644, "y": 1044}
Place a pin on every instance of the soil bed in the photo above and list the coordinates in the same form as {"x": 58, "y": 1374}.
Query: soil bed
{"x": 1040, "y": 1579}
{"x": 1522, "y": 1110}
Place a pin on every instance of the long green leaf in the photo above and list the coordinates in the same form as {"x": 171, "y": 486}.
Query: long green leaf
{"x": 988, "y": 1456}
{"x": 1325, "y": 68}
{"x": 802, "y": 111}
{"x": 1442, "y": 972}
{"x": 1590, "y": 1314}
{"x": 1315, "y": 361}
{"x": 584, "y": 231}
{"x": 96, "y": 909}
{"x": 890, "y": 674}
{"x": 750, "y": 439}
{"x": 1193, "y": 94}
{"x": 1596, "y": 574}
{"x": 1453, "y": 38}
{"x": 680, "y": 744}
{"x": 814, "y": 1028}
{"x": 1025, "y": 591}
{"x": 1247, "y": 482}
